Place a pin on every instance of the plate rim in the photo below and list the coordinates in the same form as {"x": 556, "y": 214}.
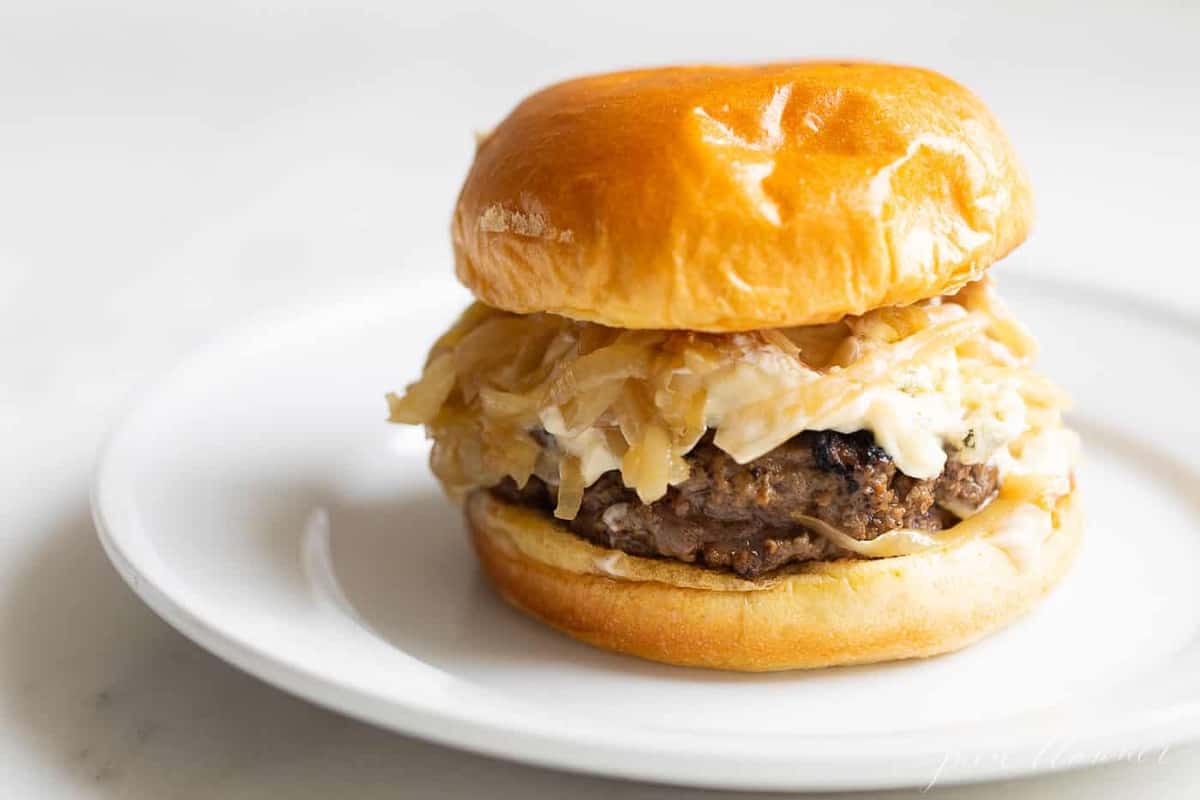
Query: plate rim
{"x": 530, "y": 745}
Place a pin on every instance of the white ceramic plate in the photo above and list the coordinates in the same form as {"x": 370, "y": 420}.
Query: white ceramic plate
{"x": 258, "y": 502}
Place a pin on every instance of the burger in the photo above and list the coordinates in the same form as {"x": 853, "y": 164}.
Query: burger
{"x": 737, "y": 391}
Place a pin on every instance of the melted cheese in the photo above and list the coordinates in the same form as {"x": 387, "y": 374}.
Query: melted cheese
{"x": 916, "y": 415}
{"x": 1022, "y": 535}
{"x": 590, "y": 446}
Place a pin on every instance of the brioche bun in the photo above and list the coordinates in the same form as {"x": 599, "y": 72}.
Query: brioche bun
{"x": 727, "y": 198}
{"x": 813, "y": 615}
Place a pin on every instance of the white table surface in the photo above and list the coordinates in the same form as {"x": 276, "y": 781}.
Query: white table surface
{"x": 166, "y": 174}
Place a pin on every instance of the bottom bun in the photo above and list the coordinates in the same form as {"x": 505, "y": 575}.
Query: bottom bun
{"x": 816, "y": 614}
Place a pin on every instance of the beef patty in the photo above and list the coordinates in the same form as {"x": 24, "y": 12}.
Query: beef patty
{"x": 739, "y": 517}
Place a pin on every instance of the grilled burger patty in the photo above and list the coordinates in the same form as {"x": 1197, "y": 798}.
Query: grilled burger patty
{"x": 739, "y": 517}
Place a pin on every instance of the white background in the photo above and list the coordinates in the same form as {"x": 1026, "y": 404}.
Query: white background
{"x": 169, "y": 172}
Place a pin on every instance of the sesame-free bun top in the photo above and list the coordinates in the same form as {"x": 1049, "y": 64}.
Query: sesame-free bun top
{"x": 725, "y": 198}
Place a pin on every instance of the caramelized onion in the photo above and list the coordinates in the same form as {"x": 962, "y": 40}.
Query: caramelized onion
{"x": 423, "y": 399}
{"x": 643, "y": 399}
{"x": 647, "y": 464}
{"x": 570, "y": 488}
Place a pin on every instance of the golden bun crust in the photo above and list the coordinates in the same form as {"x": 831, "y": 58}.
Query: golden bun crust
{"x": 817, "y": 615}
{"x": 726, "y": 198}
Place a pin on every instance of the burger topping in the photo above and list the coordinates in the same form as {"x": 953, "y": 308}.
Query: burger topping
{"x": 940, "y": 385}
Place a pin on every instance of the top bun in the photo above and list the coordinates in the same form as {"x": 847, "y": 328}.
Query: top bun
{"x": 726, "y": 198}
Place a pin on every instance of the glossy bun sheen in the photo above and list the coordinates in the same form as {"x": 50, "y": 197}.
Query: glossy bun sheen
{"x": 818, "y": 614}
{"x": 725, "y": 198}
